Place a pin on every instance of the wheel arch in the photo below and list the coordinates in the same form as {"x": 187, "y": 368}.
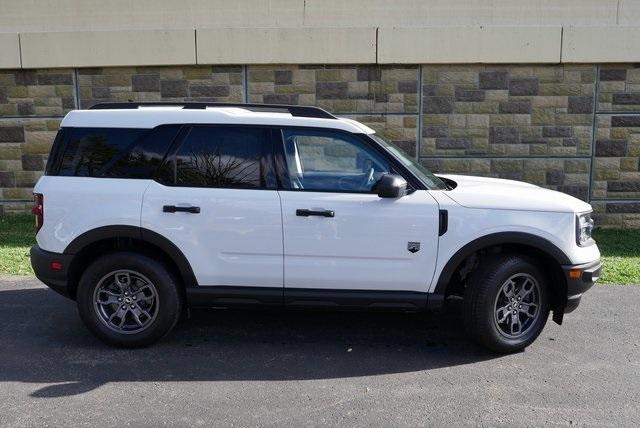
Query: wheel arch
{"x": 89, "y": 245}
{"x": 520, "y": 242}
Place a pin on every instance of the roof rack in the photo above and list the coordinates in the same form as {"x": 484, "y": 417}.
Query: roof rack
{"x": 298, "y": 111}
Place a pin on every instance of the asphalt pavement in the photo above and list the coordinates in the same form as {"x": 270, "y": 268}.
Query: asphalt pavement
{"x": 240, "y": 368}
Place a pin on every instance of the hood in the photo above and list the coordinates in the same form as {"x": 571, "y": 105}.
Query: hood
{"x": 496, "y": 193}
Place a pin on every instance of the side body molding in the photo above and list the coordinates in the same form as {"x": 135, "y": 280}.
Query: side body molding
{"x": 138, "y": 233}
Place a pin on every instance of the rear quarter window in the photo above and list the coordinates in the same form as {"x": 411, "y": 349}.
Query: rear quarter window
{"x": 110, "y": 152}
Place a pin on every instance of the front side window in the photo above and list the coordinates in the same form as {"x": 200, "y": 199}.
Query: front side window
{"x": 233, "y": 157}
{"x": 331, "y": 161}
{"x": 423, "y": 174}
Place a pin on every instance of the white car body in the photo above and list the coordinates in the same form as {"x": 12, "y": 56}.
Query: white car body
{"x": 296, "y": 246}
{"x": 224, "y": 254}
{"x": 221, "y": 252}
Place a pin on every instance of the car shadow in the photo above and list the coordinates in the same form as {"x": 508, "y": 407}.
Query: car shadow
{"x": 42, "y": 340}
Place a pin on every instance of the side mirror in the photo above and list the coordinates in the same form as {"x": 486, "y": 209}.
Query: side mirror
{"x": 391, "y": 186}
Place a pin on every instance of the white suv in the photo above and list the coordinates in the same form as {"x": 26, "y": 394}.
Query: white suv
{"x": 146, "y": 209}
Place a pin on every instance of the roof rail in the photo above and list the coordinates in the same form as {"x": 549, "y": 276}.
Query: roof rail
{"x": 298, "y": 111}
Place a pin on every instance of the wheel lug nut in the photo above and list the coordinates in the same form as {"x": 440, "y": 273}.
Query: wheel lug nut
{"x": 126, "y": 293}
{"x": 514, "y": 312}
{"x": 124, "y": 307}
{"x": 132, "y": 307}
{"x": 119, "y": 299}
{"x": 520, "y": 307}
{"x": 134, "y": 297}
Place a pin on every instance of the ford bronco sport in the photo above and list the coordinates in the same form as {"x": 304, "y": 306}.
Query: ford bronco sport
{"x": 146, "y": 209}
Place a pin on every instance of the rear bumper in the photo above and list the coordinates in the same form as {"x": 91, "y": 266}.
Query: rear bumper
{"x": 580, "y": 278}
{"x": 56, "y": 279}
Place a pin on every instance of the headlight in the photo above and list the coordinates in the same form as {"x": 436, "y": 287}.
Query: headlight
{"x": 584, "y": 227}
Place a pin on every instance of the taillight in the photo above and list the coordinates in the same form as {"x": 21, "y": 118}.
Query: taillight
{"x": 38, "y": 209}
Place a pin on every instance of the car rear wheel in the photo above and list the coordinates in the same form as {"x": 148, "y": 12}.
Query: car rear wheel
{"x": 506, "y": 303}
{"x": 128, "y": 300}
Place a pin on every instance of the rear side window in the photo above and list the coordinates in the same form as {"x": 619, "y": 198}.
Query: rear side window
{"x": 145, "y": 156}
{"x": 222, "y": 156}
{"x": 110, "y": 152}
{"x": 89, "y": 150}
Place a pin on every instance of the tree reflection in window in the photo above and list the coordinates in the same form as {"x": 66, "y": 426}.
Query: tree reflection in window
{"x": 93, "y": 153}
{"x": 221, "y": 157}
{"x": 89, "y": 150}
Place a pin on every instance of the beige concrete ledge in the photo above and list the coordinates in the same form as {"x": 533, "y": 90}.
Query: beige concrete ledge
{"x": 9, "y": 50}
{"x": 400, "y": 45}
{"x": 286, "y": 45}
{"x": 603, "y": 44}
{"x": 424, "y": 13}
{"x": 434, "y": 45}
{"x": 107, "y": 48}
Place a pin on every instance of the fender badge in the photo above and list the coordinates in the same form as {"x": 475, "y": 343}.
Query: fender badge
{"x": 413, "y": 247}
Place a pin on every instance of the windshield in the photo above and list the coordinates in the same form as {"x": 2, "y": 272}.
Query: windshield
{"x": 423, "y": 174}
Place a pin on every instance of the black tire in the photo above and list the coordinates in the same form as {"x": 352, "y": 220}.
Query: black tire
{"x": 166, "y": 309}
{"x": 481, "y": 300}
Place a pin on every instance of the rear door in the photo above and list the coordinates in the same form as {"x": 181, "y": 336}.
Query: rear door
{"x": 215, "y": 198}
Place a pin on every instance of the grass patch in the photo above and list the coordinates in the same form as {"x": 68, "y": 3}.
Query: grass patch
{"x": 620, "y": 250}
{"x": 620, "y": 254}
{"x": 16, "y": 238}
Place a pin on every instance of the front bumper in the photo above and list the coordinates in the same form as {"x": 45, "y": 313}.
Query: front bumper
{"x": 43, "y": 263}
{"x": 580, "y": 278}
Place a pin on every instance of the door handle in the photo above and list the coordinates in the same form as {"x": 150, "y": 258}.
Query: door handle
{"x": 174, "y": 209}
{"x": 319, "y": 213}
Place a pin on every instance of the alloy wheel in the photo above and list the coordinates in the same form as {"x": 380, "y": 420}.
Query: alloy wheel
{"x": 517, "y": 305}
{"x": 126, "y": 301}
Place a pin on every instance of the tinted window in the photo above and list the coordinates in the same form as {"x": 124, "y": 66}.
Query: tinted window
{"x": 332, "y": 161}
{"x": 222, "y": 157}
{"x": 145, "y": 155}
{"x": 89, "y": 150}
{"x": 53, "y": 161}
{"x": 110, "y": 152}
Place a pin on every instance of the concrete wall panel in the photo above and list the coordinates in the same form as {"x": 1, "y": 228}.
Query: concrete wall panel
{"x": 436, "y": 45}
{"x": 9, "y": 50}
{"x": 84, "y": 15}
{"x": 286, "y": 45}
{"x": 629, "y": 12}
{"x": 459, "y": 12}
{"x": 70, "y": 15}
{"x": 108, "y": 48}
{"x": 605, "y": 44}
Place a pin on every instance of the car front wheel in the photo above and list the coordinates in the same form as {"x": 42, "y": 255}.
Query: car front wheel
{"x": 506, "y": 303}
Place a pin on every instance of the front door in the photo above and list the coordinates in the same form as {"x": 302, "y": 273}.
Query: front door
{"x": 215, "y": 198}
{"x": 338, "y": 234}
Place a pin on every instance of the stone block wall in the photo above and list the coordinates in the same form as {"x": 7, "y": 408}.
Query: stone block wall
{"x": 574, "y": 128}
{"x": 186, "y": 83}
